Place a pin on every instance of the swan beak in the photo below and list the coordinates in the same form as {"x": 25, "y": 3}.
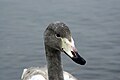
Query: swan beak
{"x": 69, "y": 49}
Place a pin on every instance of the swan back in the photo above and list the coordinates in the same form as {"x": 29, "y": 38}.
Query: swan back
{"x": 36, "y": 73}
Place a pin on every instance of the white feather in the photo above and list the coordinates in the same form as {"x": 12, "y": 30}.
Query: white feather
{"x": 36, "y": 73}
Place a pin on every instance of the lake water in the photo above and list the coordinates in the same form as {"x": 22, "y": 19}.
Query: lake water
{"x": 95, "y": 26}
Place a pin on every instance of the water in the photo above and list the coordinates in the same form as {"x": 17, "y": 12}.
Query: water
{"x": 95, "y": 26}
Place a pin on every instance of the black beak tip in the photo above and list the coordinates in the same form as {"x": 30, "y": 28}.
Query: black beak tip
{"x": 83, "y": 62}
{"x": 79, "y": 60}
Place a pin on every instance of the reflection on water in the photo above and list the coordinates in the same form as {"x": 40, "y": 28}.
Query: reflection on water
{"x": 95, "y": 26}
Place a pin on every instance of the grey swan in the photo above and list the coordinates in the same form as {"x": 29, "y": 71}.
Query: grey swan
{"x": 57, "y": 39}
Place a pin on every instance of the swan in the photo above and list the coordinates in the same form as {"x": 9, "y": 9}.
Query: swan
{"x": 57, "y": 39}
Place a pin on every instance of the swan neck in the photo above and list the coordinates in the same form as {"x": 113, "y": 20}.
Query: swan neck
{"x": 53, "y": 57}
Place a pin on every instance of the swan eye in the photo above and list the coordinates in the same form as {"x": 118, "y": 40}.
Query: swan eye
{"x": 58, "y": 35}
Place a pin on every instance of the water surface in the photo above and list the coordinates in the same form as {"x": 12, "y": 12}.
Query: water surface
{"x": 95, "y": 26}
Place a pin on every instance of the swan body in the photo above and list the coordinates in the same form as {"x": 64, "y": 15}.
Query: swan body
{"x": 57, "y": 39}
{"x": 37, "y": 73}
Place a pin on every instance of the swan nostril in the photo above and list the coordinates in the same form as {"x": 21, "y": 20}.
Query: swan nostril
{"x": 74, "y": 54}
{"x": 62, "y": 50}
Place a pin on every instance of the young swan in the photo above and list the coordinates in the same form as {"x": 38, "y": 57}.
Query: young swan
{"x": 57, "y": 39}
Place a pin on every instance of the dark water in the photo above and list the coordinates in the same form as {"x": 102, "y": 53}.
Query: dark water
{"x": 95, "y": 25}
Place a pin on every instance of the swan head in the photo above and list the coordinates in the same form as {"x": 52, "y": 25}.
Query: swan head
{"x": 58, "y": 36}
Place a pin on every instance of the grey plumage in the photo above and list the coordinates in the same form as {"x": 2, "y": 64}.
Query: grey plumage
{"x": 57, "y": 39}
